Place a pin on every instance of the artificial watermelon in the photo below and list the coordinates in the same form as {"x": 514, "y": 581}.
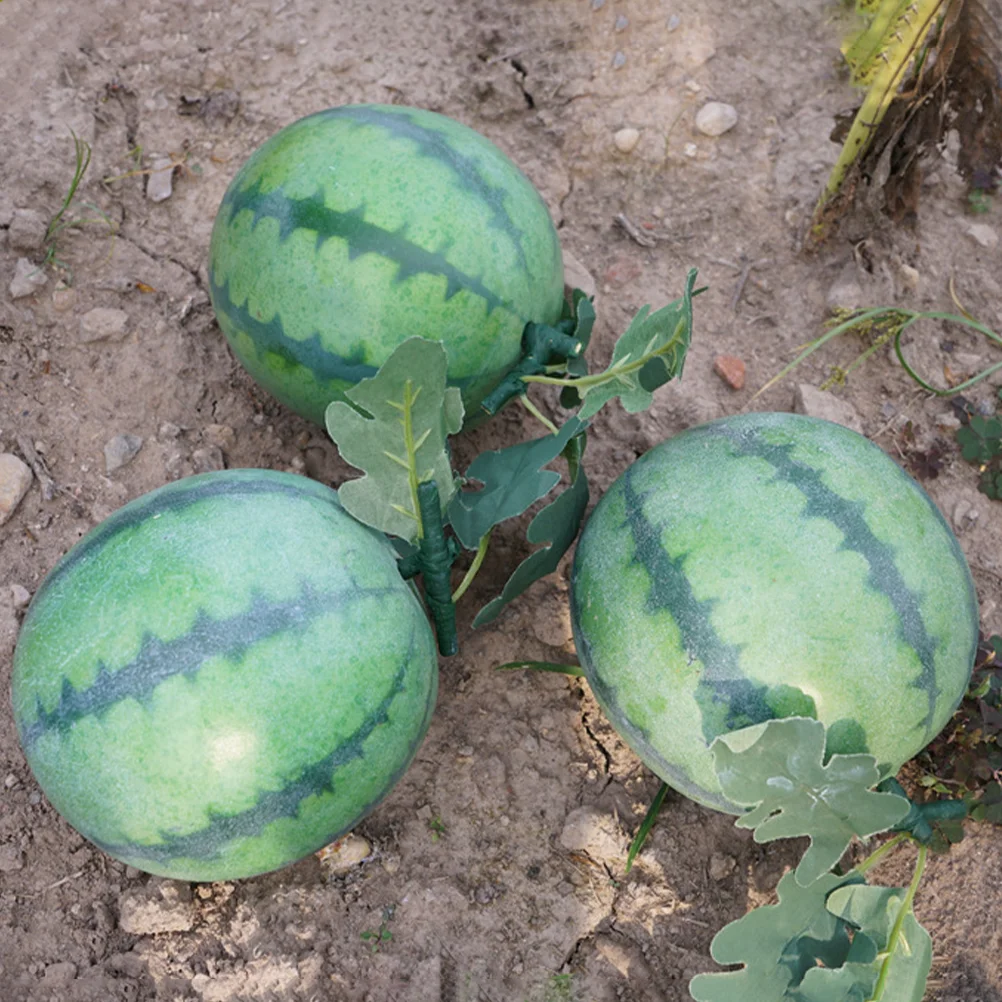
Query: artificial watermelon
{"x": 223, "y": 676}
{"x": 358, "y": 227}
{"x": 771, "y": 565}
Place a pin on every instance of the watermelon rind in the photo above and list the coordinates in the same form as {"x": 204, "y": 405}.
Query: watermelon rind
{"x": 771, "y": 565}
{"x": 360, "y": 226}
{"x": 224, "y": 676}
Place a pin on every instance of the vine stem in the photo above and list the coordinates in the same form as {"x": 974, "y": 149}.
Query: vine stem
{"x": 474, "y": 567}
{"x": 538, "y": 414}
{"x": 903, "y": 913}
{"x": 878, "y": 854}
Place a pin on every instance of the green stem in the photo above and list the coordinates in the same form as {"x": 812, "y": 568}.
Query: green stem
{"x": 903, "y": 913}
{"x": 474, "y": 567}
{"x": 538, "y": 414}
{"x": 878, "y": 855}
{"x": 436, "y": 562}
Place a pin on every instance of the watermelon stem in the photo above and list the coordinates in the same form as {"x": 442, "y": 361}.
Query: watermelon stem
{"x": 436, "y": 560}
{"x": 474, "y": 567}
{"x": 542, "y": 347}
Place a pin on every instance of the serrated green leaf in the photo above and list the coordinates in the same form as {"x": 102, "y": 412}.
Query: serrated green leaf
{"x": 513, "y": 479}
{"x": 777, "y": 944}
{"x": 557, "y": 525}
{"x": 778, "y": 769}
{"x": 651, "y": 352}
{"x": 874, "y": 911}
{"x": 394, "y": 429}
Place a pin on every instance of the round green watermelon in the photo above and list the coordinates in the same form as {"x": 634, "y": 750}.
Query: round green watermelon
{"x": 224, "y": 676}
{"x": 358, "y": 227}
{"x": 771, "y": 565}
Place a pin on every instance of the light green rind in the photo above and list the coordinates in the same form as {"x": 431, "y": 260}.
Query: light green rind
{"x": 426, "y": 182}
{"x": 785, "y": 598}
{"x": 237, "y": 715}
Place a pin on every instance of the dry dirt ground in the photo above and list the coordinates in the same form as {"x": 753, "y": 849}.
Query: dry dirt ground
{"x": 497, "y": 864}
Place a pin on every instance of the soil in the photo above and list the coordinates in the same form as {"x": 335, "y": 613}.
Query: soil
{"x": 497, "y": 864}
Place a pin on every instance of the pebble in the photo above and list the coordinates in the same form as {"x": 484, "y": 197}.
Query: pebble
{"x": 120, "y": 450}
{"x": 731, "y": 370}
{"x": 673, "y": 22}
{"x": 577, "y": 276}
{"x": 59, "y": 975}
{"x": 948, "y": 422}
{"x": 158, "y": 907}
{"x": 715, "y": 118}
{"x": 721, "y": 866}
{"x": 345, "y": 854}
{"x": 224, "y": 436}
{"x": 27, "y": 231}
{"x": 691, "y": 150}
{"x": 965, "y": 515}
{"x": 984, "y": 235}
{"x": 622, "y": 23}
{"x": 845, "y": 293}
{"x": 20, "y": 596}
{"x": 587, "y": 829}
{"x": 619, "y": 60}
{"x": 597, "y": 4}
{"x": 208, "y": 459}
{"x": 63, "y": 297}
{"x": 817, "y": 403}
{"x": 965, "y": 363}
{"x": 169, "y": 431}
{"x": 102, "y": 323}
{"x": 626, "y": 140}
{"x": 910, "y": 277}
{"x": 15, "y": 479}
{"x": 28, "y": 279}
{"x": 160, "y": 183}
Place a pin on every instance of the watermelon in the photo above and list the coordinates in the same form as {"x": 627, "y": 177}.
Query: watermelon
{"x": 223, "y": 676}
{"x": 360, "y": 226}
{"x": 771, "y": 565}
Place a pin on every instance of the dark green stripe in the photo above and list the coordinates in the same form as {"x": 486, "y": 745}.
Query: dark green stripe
{"x": 360, "y": 236}
{"x": 311, "y": 353}
{"x": 159, "y": 660}
{"x": 727, "y": 698}
{"x": 438, "y": 146}
{"x": 848, "y": 517}
{"x": 183, "y": 494}
{"x": 316, "y": 779}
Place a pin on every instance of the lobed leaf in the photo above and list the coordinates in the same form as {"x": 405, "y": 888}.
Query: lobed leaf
{"x": 513, "y": 479}
{"x": 778, "y": 770}
{"x": 394, "y": 429}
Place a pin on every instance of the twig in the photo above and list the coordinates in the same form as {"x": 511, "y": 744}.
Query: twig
{"x": 58, "y": 883}
{"x": 633, "y": 231}
{"x": 38, "y": 467}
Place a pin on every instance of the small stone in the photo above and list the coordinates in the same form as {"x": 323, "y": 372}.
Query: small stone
{"x": 691, "y": 150}
{"x": 817, "y": 403}
{"x": 845, "y": 293}
{"x": 731, "y": 370}
{"x": 965, "y": 363}
{"x": 626, "y": 140}
{"x": 910, "y": 277}
{"x": 15, "y": 479}
{"x": 169, "y": 432}
{"x": 622, "y": 23}
{"x": 587, "y": 829}
{"x": 425, "y": 812}
{"x": 948, "y": 422}
{"x": 673, "y": 22}
{"x": 721, "y": 866}
{"x": 597, "y": 4}
{"x": 103, "y": 323}
{"x": 20, "y": 596}
{"x": 160, "y": 183}
{"x": 208, "y": 459}
{"x": 984, "y": 235}
{"x": 63, "y": 297}
{"x": 120, "y": 450}
{"x": 619, "y": 60}
{"x": 965, "y": 515}
{"x": 11, "y": 858}
{"x": 223, "y": 436}
{"x": 27, "y": 231}
{"x": 715, "y": 118}
{"x": 345, "y": 854}
{"x": 28, "y": 279}
{"x": 465, "y": 752}
{"x": 158, "y": 907}
{"x": 577, "y": 276}
{"x": 59, "y": 975}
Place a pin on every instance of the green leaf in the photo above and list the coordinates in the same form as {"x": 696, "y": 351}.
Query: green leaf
{"x": 513, "y": 479}
{"x": 778, "y": 769}
{"x": 557, "y": 525}
{"x": 874, "y": 912}
{"x": 777, "y": 944}
{"x": 651, "y": 352}
{"x": 394, "y": 429}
